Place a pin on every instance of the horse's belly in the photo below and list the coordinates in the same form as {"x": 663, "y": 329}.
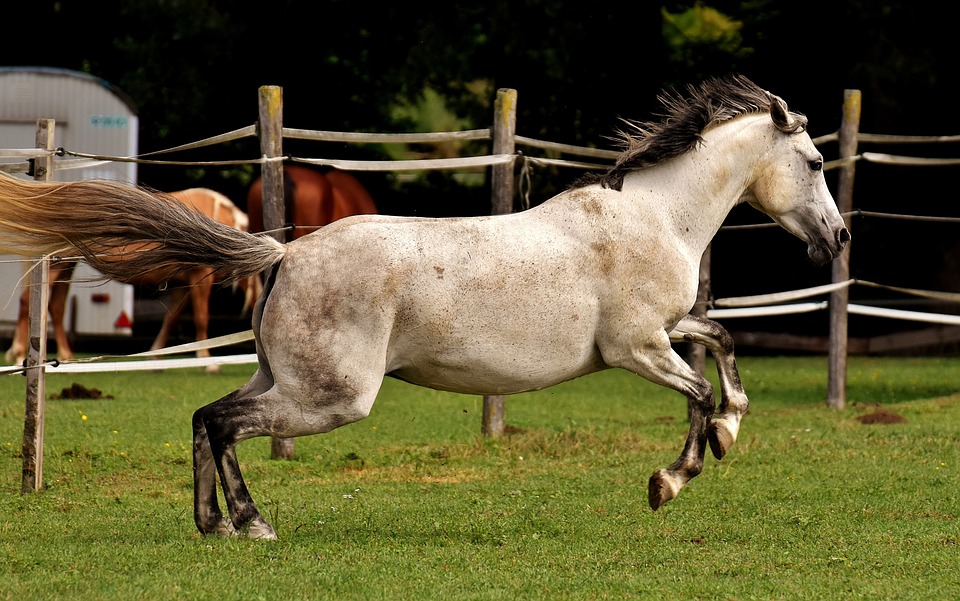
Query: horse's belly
{"x": 476, "y": 369}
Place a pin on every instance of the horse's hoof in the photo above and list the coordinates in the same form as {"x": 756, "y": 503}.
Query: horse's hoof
{"x": 259, "y": 529}
{"x": 662, "y": 488}
{"x": 212, "y": 369}
{"x": 720, "y": 438}
{"x": 221, "y": 528}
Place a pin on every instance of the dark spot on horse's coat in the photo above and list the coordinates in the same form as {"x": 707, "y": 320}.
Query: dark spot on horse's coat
{"x": 439, "y": 271}
{"x": 593, "y": 206}
{"x": 605, "y": 256}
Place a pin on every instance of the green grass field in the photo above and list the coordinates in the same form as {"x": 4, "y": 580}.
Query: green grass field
{"x": 413, "y": 503}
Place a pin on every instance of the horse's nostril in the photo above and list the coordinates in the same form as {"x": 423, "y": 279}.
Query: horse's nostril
{"x": 843, "y": 236}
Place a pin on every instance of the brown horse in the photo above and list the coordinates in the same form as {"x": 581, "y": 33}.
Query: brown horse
{"x": 312, "y": 199}
{"x": 197, "y": 283}
{"x": 59, "y": 278}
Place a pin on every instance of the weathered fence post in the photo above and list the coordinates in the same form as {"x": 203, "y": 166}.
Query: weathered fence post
{"x": 837, "y": 372}
{"x": 37, "y": 338}
{"x": 501, "y": 180}
{"x": 270, "y": 131}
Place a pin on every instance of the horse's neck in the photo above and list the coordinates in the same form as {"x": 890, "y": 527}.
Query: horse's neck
{"x": 701, "y": 187}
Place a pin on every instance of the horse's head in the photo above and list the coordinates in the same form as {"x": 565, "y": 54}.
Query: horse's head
{"x": 791, "y": 189}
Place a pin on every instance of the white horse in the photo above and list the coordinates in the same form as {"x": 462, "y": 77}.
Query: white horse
{"x": 601, "y": 276}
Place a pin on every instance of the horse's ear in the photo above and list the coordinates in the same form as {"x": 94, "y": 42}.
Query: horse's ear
{"x": 778, "y": 112}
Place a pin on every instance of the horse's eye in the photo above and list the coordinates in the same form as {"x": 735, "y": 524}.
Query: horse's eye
{"x": 816, "y": 165}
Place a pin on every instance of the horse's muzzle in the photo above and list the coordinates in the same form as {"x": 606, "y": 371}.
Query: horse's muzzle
{"x": 828, "y": 250}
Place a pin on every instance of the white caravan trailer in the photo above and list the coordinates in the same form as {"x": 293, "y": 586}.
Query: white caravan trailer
{"x": 93, "y": 117}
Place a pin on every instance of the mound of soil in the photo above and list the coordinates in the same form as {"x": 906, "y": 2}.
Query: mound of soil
{"x": 881, "y": 416}
{"x": 79, "y": 391}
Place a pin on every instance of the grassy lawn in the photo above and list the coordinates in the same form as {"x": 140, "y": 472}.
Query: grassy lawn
{"x": 413, "y": 503}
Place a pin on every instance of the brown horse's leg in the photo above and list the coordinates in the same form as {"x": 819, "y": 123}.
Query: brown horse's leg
{"x": 59, "y": 289}
{"x": 18, "y": 347}
{"x": 200, "y": 290}
{"x": 723, "y": 429}
{"x": 178, "y": 302}
{"x": 59, "y": 278}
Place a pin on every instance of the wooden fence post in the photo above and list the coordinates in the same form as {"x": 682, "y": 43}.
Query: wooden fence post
{"x": 37, "y": 339}
{"x": 837, "y": 372}
{"x": 501, "y": 180}
{"x": 270, "y": 131}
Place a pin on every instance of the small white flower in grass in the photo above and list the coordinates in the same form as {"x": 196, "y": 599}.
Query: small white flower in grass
{"x": 347, "y": 496}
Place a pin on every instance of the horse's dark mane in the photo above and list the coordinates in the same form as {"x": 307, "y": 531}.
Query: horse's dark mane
{"x": 710, "y": 103}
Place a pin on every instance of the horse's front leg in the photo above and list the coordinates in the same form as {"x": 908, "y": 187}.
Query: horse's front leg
{"x": 725, "y": 426}
{"x": 657, "y": 362}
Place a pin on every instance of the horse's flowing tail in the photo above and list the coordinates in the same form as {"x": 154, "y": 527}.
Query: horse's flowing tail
{"x": 124, "y": 231}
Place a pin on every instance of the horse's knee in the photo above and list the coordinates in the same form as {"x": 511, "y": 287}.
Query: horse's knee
{"x": 703, "y": 398}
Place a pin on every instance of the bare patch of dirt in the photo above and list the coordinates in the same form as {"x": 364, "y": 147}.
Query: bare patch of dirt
{"x": 881, "y": 416}
{"x": 79, "y": 391}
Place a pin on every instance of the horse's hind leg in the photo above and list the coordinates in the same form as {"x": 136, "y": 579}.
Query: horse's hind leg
{"x": 206, "y": 508}
{"x": 283, "y": 412}
{"x": 725, "y": 426}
